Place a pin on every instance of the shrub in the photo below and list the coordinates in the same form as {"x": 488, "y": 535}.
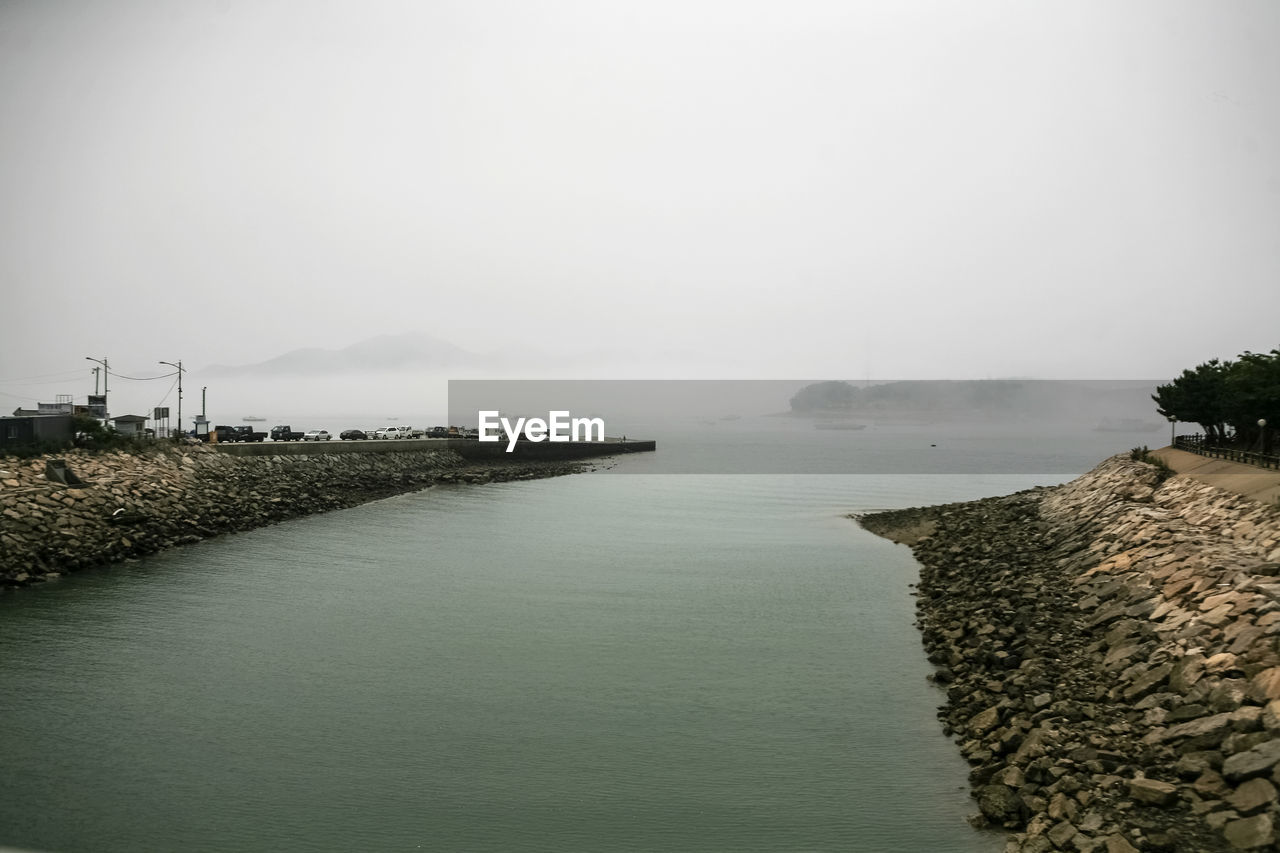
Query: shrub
{"x": 1142, "y": 454}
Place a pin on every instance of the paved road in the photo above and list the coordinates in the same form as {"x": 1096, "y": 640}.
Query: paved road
{"x": 1260, "y": 484}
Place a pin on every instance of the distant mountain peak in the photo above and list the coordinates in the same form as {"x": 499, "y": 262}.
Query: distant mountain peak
{"x": 378, "y": 353}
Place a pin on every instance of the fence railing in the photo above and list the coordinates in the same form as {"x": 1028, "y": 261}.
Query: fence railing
{"x": 1198, "y": 444}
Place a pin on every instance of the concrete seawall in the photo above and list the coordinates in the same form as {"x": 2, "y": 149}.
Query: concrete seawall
{"x": 1110, "y": 651}
{"x": 129, "y": 504}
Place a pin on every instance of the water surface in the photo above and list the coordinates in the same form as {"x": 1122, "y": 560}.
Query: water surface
{"x": 596, "y": 662}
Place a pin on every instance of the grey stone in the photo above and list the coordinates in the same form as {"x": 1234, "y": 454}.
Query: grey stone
{"x": 1253, "y": 762}
{"x": 1153, "y": 791}
{"x": 1061, "y": 834}
{"x": 1252, "y": 796}
{"x": 1000, "y": 804}
{"x": 1218, "y": 724}
{"x": 1250, "y": 833}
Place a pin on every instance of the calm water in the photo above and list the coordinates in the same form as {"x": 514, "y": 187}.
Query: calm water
{"x": 593, "y": 663}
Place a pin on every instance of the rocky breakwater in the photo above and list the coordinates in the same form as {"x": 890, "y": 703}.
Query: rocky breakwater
{"x": 127, "y": 504}
{"x": 1110, "y": 652}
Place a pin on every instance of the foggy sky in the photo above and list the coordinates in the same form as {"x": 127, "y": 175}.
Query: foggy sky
{"x": 659, "y": 189}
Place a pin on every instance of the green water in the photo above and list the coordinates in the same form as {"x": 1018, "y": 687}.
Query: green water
{"x": 588, "y": 663}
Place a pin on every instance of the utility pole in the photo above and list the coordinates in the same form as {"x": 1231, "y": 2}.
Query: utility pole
{"x": 203, "y": 392}
{"x": 179, "y": 366}
{"x": 106, "y": 373}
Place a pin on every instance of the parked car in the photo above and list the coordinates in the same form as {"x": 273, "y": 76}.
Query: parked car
{"x": 392, "y": 432}
{"x": 223, "y": 434}
{"x": 246, "y": 433}
{"x": 438, "y": 432}
{"x": 353, "y": 435}
{"x": 316, "y": 435}
{"x": 285, "y": 433}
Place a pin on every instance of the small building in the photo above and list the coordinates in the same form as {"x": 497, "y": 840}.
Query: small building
{"x": 130, "y": 425}
{"x": 29, "y": 430}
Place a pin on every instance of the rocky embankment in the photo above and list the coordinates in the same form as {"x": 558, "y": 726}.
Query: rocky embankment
{"x": 131, "y": 504}
{"x": 1110, "y": 652}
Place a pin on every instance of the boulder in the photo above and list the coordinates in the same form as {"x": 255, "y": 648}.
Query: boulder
{"x": 1000, "y": 805}
{"x": 1253, "y": 762}
{"x": 1253, "y": 796}
{"x": 1153, "y": 791}
{"x": 1250, "y": 833}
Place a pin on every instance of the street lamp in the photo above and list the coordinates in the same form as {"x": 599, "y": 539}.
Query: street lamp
{"x": 1262, "y": 435}
{"x": 1173, "y": 425}
{"x": 179, "y": 366}
{"x": 106, "y": 372}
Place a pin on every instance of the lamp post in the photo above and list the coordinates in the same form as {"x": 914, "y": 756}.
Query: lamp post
{"x": 1262, "y": 435}
{"x": 1172, "y": 429}
{"x": 179, "y": 366}
{"x": 106, "y": 372}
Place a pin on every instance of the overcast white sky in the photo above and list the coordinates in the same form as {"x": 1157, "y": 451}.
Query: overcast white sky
{"x": 718, "y": 188}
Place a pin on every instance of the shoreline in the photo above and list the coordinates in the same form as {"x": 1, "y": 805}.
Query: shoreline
{"x": 130, "y": 505}
{"x": 1110, "y": 652}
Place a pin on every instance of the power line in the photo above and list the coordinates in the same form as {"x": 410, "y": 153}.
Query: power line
{"x": 167, "y": 393}
{"x": 140, "y": 378}
{"x": 42, "y": 378}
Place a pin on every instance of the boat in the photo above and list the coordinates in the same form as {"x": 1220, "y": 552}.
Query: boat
{"x": 252, "y": 418}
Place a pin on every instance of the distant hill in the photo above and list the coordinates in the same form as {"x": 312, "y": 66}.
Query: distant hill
{"x": 381, "y": 353}
{"x": 985, "y": 399}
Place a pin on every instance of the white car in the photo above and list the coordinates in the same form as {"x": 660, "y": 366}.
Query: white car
{"x": 391, "y": 432}
{"x": 316, "y": 435}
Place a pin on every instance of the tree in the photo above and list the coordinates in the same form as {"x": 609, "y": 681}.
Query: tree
{"x": 1231, "y": 393}
{"x": 1198, "y": 396}
{"x": 1253, "y": 393}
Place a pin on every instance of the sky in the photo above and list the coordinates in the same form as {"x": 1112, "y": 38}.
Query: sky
{"x": 705, "y": 189}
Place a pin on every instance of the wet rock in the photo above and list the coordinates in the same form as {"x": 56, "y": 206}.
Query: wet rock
{"x": 1000, "y": 805}
{"x": 984, "y": 721}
